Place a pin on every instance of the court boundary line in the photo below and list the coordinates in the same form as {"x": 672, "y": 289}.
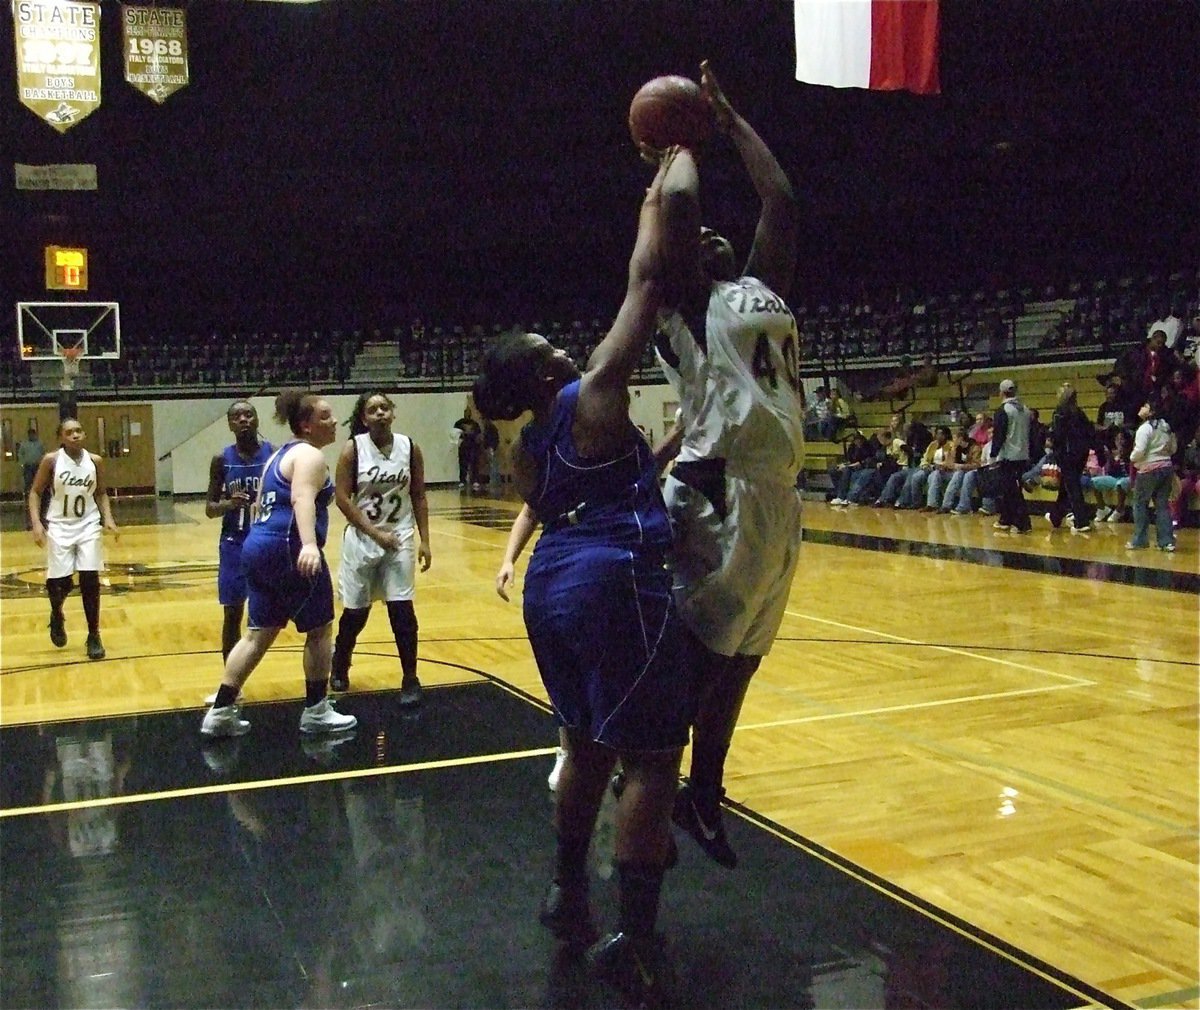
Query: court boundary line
{"x": 946, "y": 919}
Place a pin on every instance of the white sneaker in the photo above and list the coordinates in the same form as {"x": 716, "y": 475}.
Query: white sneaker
{"x": 1102, "y": 513}
{"x": 324, "y": 718}
{"x": 1113, "y": 516}
{"x": 560, "y": 757}
{"x": 226, "y": 721}
{"x": 212, "y": 699}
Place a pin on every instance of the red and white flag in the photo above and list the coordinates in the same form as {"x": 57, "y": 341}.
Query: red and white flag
{"x": 884, "y": 45}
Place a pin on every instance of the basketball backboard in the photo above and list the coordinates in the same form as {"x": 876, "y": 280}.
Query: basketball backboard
{"x": 46, "y": 329}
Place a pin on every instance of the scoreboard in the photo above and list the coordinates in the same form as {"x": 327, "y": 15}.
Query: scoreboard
{"x": 66, "y": 268}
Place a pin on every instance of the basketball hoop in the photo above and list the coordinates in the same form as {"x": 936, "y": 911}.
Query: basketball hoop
{"x": 70, "y": 363}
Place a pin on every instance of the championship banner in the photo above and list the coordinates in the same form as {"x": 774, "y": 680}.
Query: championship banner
{"x": 156, "y": 57}
{"x": 58, "y": 59}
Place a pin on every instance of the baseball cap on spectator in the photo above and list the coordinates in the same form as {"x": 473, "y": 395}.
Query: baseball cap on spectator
{"x": 1008, "y": 386}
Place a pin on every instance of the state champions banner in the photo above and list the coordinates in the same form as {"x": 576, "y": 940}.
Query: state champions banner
{"x": 156, "y": 51}
{"x": 58, "y": 59}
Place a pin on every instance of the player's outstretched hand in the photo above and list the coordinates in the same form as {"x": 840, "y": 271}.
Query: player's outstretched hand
{"x": 722, "y": 110}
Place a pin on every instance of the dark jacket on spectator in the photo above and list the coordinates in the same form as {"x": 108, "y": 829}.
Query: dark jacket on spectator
{"x": 1073, "y": 436}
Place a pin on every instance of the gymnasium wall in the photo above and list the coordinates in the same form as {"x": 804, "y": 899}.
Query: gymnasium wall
{"x": 184, "y": 435}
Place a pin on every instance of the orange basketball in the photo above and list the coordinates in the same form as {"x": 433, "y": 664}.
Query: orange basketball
{"x": 670, "y": 110}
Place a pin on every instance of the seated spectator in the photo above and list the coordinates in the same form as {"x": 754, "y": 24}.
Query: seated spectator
{"x": 1114, "y": 477}
{"x": 857, "y": 453}
{"x": 1043, "y": 473}
{"x": 1110, "y": 415}
{"x": 843, "y": 414}
{"x": 945, "y": 463}
{"x": 968, "y": 456}
{"x": 981, "y": 431}
{"x": 915, "y": 486}
{"x": 818, "y": 419}
{"x": 866, "y": 483}
{"x": 1037, "y": 433}
{"x": 904, "y": 459}
{"x": 1189, "y": 479}
{"x": 909, "y": 378}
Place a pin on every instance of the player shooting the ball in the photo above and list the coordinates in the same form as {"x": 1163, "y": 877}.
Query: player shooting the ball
{"x": 729, "y": 347}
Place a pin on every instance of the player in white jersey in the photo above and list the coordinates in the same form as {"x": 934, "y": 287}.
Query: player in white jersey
{"x": 380, "y": 487}
{"x": 78, "y": 512}
{"x": 728, "y": 344}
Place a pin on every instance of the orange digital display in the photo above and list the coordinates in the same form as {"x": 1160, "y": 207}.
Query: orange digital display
{"x": 66, "y": 269}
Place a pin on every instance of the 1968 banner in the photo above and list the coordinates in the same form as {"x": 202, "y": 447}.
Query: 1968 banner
{"x": 156, "y": 53}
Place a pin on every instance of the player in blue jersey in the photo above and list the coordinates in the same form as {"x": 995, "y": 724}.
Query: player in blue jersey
{"x": 598, "y": 608}
{"x": 233, "y": 479}
{"x": 287, "y": 578}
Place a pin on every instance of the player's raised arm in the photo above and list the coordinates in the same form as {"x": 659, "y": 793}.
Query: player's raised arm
{"x": 773, "y": 256}
{"x": 603, "y": 394}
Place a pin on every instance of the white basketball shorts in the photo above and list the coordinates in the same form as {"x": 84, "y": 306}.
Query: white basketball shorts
{"x": 732, "y": 575}
{"x": 70, "y": 551}
{"x": 369, "y": 573}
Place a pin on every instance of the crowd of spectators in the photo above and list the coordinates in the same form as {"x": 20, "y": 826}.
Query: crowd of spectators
{"x": 906, "y": 466}
{"x": 850, "y": 338}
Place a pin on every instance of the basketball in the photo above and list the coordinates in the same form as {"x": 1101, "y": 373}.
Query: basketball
{"x": 670, "y": 110}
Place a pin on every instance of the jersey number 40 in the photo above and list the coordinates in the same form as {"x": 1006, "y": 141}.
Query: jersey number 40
{"x": 763, "y": 363}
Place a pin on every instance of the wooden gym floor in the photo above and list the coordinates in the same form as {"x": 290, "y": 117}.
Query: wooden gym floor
{"x": 966, "y": 776}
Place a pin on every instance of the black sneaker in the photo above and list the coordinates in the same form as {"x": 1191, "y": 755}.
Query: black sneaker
{"x": 58, "y": 630}
{"x": 95, "y": 648}
{"x": 566, "y": 913}
{"x": 709, "y": 836}
{"x": 411, "y": 693}
{"x": 339, "y": 680}
{"x": 640, "y": 970}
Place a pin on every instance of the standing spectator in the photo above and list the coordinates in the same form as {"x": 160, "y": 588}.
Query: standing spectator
{"x": 29, "y": 454}
{"x": 469, "y": 442}
{"x": 1073, "y": 438}
{"x": 1153, "y": 445}
{"x": 79, "y": 513}
{"x": 491, "y": 447}
{"x": 1010, "y": 447}
{"x": 1144, "y": 370}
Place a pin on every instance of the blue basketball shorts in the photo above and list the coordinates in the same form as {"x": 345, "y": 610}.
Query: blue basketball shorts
{"x": 612, "y": 653}
{"x": 231, "y": 580}
{"x": 278, "y": 593}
